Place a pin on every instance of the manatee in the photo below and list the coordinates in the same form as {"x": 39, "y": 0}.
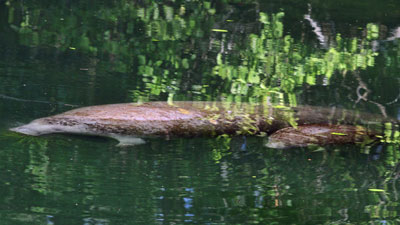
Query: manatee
{"x": 130, "y": 122}
{"x": 319, "y": 135}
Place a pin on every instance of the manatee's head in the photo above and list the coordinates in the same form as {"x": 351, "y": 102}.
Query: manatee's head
{"x": 35, "y": 128}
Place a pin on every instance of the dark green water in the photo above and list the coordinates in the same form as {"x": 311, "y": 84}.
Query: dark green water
{"x": 55, "y": 56}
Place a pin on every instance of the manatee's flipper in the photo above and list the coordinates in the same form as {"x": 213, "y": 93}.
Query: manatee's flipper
{"x": 320, "y": 135}
{"x": 127, "y": 140}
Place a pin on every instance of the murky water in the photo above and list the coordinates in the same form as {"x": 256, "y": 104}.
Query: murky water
{"x": 58, "y": 56}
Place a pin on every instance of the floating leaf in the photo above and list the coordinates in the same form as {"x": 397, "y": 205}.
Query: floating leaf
{"x": 219, "y": 30}
{"x": 280, "y": 107}
{"x": 376, "y": 190}
{"x": 320, "y": 149}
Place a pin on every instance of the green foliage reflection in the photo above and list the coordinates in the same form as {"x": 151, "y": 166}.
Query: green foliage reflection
{"x": 185, "y": 47}
{"x": 274, "y": 64}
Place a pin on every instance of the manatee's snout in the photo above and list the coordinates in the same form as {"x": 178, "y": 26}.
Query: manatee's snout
{"x": 26, "y": 129}
{"x": 35, "y": 128}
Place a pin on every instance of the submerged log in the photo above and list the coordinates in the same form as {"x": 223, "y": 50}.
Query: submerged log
{"x": 128, "y": 122}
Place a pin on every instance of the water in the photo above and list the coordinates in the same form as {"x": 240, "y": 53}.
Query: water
{"x": 56, "y": 56}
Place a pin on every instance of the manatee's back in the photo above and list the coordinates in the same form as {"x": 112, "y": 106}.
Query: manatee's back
{"x": 335, "y": 115}
{"x": 191, "y": 119}
{"x": 161, "y": 118}
{"x": 156, "y": 111}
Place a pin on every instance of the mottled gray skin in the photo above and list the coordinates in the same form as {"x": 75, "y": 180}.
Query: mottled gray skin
{"x": 319, "y": 135}
{"x": 129, "y": 121}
